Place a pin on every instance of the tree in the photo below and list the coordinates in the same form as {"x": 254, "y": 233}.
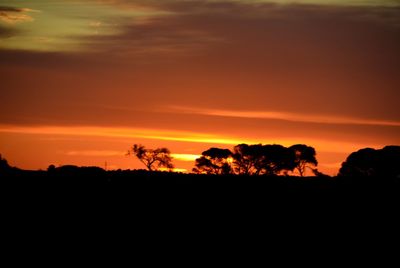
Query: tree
{"x": 245, "y": 158}
{"x": 51, "y": 169}
{"x": 304, "y": 157}
{"x": 260, "y": 159}
{"x": 369, "y": 162}
{"x": 275, "y": 159}
{"x": 214, "y": 161}
{"x": 4, "y": 166}
{"x": 152, "y": 158}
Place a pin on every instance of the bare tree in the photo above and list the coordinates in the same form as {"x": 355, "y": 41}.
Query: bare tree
{"x": 152, "y": 158}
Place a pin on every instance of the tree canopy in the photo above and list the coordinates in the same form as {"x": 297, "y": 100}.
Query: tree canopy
{"x": 370, "y": 162}
{"x": 214, "y": 161}
{"x": 305, "y": 157}
{"x": 256, "y": 159}
{"x": 4, "y": 166}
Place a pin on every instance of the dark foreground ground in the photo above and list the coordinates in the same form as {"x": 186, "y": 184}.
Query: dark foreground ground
{"x": 340, "y": 220}
{"x": 137, "y": 188}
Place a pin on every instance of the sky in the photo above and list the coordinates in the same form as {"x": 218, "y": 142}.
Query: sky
{"x": 81, "y": 81}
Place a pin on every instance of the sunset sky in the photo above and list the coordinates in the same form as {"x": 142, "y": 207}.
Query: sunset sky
{"x": 83, "y": 80}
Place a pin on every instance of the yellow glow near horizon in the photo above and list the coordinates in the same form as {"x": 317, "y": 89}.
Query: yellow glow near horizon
{"x": 182, "y": 170}
{"x": 180, "y": 136}
{"x": 186, "y": 157}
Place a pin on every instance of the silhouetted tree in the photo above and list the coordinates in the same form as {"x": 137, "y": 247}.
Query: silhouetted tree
{"x": 51, "y": 168}
{"x": 152, "y": 158}
{"x": 68, "y": 169}
{"x": 245, "y": 158}
{"x": 370, "y": 162}
{"x": 304, "y": 157}
{"x": 256, "y": 159}
{"x": 214, "y": 161}
{"x": 259, "y": 159}
{"x": 4, "y": 166}
{"x": 275, "y": 159}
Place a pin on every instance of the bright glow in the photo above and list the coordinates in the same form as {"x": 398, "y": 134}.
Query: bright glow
{"x": 186, "y": 157}
{"x": 183, "y": 170}
{"x": 181, "y": 136}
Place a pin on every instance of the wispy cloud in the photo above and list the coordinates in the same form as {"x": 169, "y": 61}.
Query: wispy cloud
{"x": 287, "y": 116}
{"x": 11, "y": 15}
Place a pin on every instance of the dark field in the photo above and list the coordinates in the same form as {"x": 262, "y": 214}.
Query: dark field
{"x": 333, "y": 217}
{"x": 232, "y": 191}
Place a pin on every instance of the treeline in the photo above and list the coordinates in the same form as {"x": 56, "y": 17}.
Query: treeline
{"x": 253, "y": 160}
{"x": 244, "y": 159}
{"x": 275, "y": 159}
{"x": 258, "y": 159}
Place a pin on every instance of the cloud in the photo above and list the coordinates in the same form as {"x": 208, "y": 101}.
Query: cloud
{"x": 10, "y": 9}
{"x": 257, "y": 30}
{"x": 12, "y": 15}
{"x": 332, "y": 60}
{"x": 16, "y": 9}
{"x": 186, "y": 27}
{"x": 287, "y": 116}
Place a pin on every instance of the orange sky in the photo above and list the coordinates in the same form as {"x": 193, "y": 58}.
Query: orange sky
{"x": 80, "y": 87}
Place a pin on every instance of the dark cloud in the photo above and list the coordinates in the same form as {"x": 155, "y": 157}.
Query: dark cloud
{"x": 13, "y": 15}
{"x": 6, "y": 32}
{"x": 10, "y": 9}
{"x": 199, "y": 22}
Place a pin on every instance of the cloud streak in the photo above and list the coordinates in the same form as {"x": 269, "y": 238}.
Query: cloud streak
{"x": 287, "y": 116}
{"x": 12, "y": 15}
